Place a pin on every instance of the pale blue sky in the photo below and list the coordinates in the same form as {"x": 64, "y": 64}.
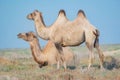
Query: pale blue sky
{"x": 104, "y": 14}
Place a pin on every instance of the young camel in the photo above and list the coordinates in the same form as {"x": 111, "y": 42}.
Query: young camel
{"x": 69, "y": 33}
{"x": 47, "y": 56}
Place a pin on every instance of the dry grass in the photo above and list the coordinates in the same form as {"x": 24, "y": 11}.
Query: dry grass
{"x": 18, "y": 64}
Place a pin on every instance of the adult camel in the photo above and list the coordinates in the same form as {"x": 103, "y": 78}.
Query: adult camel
{"x": 69, "y": 33}
{"x": 49, "y": 54}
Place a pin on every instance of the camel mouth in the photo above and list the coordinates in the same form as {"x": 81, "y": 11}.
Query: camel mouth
{"x": 19, "y": 35}
{"x": 28, "y": 17}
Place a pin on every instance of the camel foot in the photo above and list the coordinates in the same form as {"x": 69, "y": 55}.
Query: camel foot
{"x": 83, "y": 70}
{"x": 102, "y": 68}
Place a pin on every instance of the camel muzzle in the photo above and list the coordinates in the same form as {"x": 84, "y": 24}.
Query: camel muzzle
{"x": 29, "y": 16}
{"x": 19, "y": 35}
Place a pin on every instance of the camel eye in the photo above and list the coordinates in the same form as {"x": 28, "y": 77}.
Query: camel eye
{"x": 31, "y": 14}
{"x": 27, "y": 34}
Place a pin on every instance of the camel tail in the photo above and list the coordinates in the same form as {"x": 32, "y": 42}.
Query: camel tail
{"x": 96, "y": 33}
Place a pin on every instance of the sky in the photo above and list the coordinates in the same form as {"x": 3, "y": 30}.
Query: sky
{"x": 104, "y": 14}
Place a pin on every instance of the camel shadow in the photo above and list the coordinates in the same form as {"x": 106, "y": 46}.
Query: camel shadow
{"x": 71, "y": 67}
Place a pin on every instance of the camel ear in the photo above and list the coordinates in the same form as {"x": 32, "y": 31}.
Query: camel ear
{"x": 81, "y": 13}
{"x": 32, "y": 34}
{"x": 62, "y": 12}
{"x": 35, "y": 12}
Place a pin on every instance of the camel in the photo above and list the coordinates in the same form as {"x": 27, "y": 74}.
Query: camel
{"x": 69, "y": 33}
{"x": 47, "y": 56}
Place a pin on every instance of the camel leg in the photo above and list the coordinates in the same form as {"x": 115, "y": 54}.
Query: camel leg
{"x": 58, "y": 64}
{"x": 91, "y": 55}
{"x": 63, "y": 60}
{"x": 101, "y": 56}
{"x": 64, "y": 64}
{"x": 59, "y": 47}
{"x": 58, "y": 61}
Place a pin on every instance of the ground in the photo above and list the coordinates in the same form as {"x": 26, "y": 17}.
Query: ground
{"x": 18, "y": 64}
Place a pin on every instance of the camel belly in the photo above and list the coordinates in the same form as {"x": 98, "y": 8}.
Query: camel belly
{"x": 73, "y": 41}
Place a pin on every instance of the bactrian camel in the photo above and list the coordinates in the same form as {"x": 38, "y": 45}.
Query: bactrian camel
{"x": 47, "y": 56}
{"x": 69, "y": 33}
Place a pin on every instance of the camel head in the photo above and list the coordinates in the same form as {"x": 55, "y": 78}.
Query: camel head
{"x": 30, "y": 36}
{"x": 34, "y": 15}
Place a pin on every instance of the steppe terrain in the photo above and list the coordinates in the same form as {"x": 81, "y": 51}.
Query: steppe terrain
{"x": 18, "y": 64}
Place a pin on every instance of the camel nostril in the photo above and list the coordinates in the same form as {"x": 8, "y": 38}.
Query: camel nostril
{"x": 19, "y": 35}
{"x": 28, "y": 16}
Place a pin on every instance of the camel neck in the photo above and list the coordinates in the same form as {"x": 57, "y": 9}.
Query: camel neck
{"x": 36, "y": 50}
{"x": 40, "y": 23}
{"x": 41, "y": 29}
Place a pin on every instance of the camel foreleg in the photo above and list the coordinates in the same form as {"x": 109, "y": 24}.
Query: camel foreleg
{"x": 91, "y": 55}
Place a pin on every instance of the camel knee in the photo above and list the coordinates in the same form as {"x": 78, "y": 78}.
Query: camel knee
{"x": 91, "y": 60}
{"x": 88, "y": 45}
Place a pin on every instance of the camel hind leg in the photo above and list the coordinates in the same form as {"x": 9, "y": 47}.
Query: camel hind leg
{"x": 101, "y": 56}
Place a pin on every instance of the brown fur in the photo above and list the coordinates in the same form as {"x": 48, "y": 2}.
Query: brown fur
{"x": 47, "y": 56}
{"x": 70, "y": 33}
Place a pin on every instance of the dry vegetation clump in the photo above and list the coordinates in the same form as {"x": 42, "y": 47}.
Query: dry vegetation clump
{"x": 111, "y": 63}
{"x": 5, "y": 61}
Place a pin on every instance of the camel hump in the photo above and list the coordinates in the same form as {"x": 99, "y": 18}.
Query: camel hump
{"x": 81, "y": 13}
{"x": 62, "y": 12}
